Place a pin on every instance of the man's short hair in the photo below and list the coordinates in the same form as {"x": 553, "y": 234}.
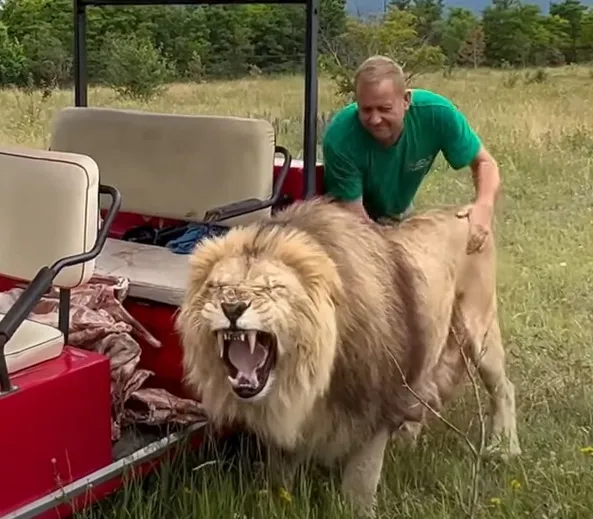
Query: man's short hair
{"x": 377, "y": 68}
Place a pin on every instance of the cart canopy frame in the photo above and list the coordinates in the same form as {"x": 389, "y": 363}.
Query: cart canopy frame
{"x": 311, "y": 50}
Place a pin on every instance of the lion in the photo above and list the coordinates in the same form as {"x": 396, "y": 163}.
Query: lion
{"x": 326, "y": 335}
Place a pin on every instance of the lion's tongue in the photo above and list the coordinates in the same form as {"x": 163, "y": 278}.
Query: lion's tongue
{"x": 246, "y": 362}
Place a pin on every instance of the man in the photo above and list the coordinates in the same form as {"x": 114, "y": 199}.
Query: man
{"x": 378, "y": 150}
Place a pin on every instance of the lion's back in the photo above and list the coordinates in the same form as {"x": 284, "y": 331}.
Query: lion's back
{"x": 333, "y": 226}
{"x": 358, "y": 250}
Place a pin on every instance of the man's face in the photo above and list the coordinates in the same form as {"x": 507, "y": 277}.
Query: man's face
{"x": 381, "y": 109}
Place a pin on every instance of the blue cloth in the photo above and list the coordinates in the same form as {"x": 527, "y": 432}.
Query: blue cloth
{"x": 195, "y": 233}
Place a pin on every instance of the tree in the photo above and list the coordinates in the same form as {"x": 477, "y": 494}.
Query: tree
{"x": 428, "y": 15}
{"x": 402, "y": 5}
{"x": 520, "y": 35}
{"x": 456, "y": 29}
{"x": 571, "y": 11}
{"x": 393, "y": 35}
{"x": 586, "y": 37}
{"x": 473, "y": 50}
{"x": 135, "y": 68}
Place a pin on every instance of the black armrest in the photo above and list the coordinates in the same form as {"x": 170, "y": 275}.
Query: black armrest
{"x": 23, "y": 306}
{"x": 250, "y": 205}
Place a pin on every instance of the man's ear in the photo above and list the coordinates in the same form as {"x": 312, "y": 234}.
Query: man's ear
{"x": 407, "y": 98}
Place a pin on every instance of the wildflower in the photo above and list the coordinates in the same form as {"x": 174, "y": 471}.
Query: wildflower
{"x": 285, "y": 495}
{"x": 495, "y": 501}
{"x": 515, "y": 484}
{"x": 587, "y": 450}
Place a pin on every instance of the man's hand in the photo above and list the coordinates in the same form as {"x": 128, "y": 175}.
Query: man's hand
{"x": 480, "y": 220}
{"x": 486, "y": 179}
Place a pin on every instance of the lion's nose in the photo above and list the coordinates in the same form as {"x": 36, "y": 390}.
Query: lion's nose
{"x": 234, "y": 310}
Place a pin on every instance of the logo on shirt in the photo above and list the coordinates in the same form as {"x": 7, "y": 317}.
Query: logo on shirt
{"x": 420, "y": 164}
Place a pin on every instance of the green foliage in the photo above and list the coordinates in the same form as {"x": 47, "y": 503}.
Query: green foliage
{"x": 135, "y": 68}
{"x": 13, "y": 64}
{"x": 197, "y": 42}
{"x": 394, "y": 35}
{"x": 519, "y": 34}
{"x": 460, "y": 30}
{"x": 571, "y": 13}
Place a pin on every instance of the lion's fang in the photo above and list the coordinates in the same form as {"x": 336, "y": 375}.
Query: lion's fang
{"x": 252, "y": 338}
{"x": 220, "y": 344}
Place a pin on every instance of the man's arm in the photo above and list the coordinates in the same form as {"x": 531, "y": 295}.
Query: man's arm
{"x": 486, "y": 177}
{"x": 343, "y": 180}
{"x": 462, "y": 147}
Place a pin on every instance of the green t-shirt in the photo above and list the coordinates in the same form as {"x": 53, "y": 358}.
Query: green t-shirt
{"x": 387, "y": 179}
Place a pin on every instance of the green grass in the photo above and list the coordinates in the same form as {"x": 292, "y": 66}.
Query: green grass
{"x": 542, "y": 136}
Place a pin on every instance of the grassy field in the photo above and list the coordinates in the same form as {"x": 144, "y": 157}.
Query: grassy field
{"x": 542, "y": 135}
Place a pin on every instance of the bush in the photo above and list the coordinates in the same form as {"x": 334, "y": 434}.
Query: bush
{"x": 135, "y": 68}
{"x": 539, "y": 75}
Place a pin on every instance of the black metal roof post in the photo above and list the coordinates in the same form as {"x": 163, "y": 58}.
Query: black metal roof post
{"x": 311, "y": 93}
{"x": 80, "y": 59}
{"x": 311, "y": 84}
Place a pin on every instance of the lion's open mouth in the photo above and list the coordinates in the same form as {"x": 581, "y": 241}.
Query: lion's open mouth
{"x": 249, "y": 356}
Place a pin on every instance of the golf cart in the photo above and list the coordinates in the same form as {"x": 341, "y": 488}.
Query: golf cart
{"x": 90, "y": 364}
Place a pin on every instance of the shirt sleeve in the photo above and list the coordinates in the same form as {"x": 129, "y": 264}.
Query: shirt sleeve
{"x": 459, "y": 142}
{"x": 342, "y": 178}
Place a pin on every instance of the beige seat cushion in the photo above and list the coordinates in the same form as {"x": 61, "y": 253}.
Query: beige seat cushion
{"x": 48, "y": 211}
{"x": 32, "y": 344}
{"x": 155, "y": 273}
{"x": 173, "y": 165}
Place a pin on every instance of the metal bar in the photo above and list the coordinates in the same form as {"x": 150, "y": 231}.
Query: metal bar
{"x": 102, "y": 235}
{"x": 80, "y": 58}
{"x": 64, "y": 313}
{"x": 151, "y": 451}
{"x": 5, "y": 385}
{"x": 310, "y": 123}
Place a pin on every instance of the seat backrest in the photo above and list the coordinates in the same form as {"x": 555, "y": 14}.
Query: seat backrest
{"x": 172, "y": 165}
{"x": 49, "y": 209}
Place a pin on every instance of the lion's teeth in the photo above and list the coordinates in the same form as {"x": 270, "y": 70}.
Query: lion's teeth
{"x": 220, "y": 338}
{"x": 242, "y": 337}
{"x": 252, "y": 338}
